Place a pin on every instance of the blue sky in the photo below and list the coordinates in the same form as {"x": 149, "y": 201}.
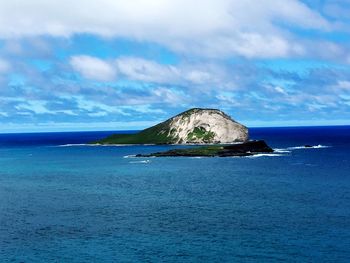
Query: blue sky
{"x": 112, "y": 65}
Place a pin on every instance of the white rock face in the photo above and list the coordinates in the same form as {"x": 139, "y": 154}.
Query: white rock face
{"x": 206, "y": 126}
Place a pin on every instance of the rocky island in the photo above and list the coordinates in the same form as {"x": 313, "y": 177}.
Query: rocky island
{"x": 221, "y": 135}
{"x": 194, "y": 126}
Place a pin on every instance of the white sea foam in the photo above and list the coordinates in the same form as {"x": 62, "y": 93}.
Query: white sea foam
{"x": 143, "y": 161}
{"x": 312, "y": 147}
{"x": 82, "y": 145}
{"x": 281, "y": 150}
{"x": 129, "y": 156}
{"x": 265, "y": 155}
{"x": 72, "y": 145}
{"x": 321, "y": 146}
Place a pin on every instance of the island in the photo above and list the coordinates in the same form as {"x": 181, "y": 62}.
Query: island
{"x": 194, "y": 126}
{"x": 216, "y": 133}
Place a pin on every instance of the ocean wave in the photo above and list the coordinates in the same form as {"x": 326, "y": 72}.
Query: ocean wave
{"x": 74, "y": 144}
{"x": 129, "y": 156}
{"x": 305, "y": 147}
{"x": 265, "y": 155}
{"x": 277, "y": 150}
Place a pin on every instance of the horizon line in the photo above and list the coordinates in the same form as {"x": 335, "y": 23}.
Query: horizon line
{"x": 136, "y": 130}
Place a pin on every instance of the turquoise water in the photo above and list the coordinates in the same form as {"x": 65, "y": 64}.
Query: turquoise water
{"x": 64, "y": 203}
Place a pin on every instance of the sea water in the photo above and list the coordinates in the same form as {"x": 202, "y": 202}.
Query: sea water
{"x": 64, "y": 201}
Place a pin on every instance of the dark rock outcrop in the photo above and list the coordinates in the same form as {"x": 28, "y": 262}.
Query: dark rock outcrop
{"x": 240, "y": 149}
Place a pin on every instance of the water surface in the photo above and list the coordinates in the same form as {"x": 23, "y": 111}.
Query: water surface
{"x": 63, "y": 203}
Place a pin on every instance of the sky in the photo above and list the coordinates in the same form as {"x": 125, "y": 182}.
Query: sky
{"x": 126, "y": 65}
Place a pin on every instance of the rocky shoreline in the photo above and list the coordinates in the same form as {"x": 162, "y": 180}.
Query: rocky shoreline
{"x": 240, "y": 149}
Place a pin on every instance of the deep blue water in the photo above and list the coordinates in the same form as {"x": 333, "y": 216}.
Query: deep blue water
{"x": 91, "y": 204}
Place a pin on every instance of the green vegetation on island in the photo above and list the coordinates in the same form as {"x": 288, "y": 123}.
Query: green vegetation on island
{"x": 239, "y": 149}
{"x": 158, "y": 134}
{"x": 201, "y": 133}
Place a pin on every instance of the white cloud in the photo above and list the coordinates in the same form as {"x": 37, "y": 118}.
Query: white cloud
{"x": 4, "y": 66}
{"x": 342, "y": 85}
{"x": 39, "y": 107}
{"x": 249, "y": 28}
{"x": 146, "y": 70}
{"x": 280, "y": 90}
{"x": 207, "y": 74}
{"x": 93, "y": 68}
{"x": 168, "y": 96}
{"x": 139, "y": 69}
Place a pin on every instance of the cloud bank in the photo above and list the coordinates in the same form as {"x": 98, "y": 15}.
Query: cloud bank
{"x": 141, "y": 61}
{"x": 222, "y": 28}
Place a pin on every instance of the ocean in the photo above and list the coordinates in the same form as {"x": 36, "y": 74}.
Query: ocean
{"x": 64, "y": 201}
